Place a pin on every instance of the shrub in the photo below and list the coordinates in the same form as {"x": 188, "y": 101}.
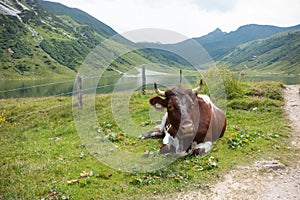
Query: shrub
{"x": 253, "y": 102}
{"x": 231, "y": 81}
{"x": 271, "y": 90}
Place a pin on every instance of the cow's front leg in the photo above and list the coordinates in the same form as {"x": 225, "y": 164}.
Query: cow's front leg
{"x": 158, "y": 132}
{"x": 168, "y": 145}
{"x": 202, "y": 148}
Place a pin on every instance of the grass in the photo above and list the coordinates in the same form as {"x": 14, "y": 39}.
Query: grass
{"x": 42, "y": 157}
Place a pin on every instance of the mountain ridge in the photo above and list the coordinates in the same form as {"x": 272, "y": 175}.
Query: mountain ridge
{"x": 42, "y": 39}
{"x": 219, "y": 45}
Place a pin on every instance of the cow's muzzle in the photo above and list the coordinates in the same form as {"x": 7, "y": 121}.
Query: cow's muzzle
{"x": 187, "y": 127}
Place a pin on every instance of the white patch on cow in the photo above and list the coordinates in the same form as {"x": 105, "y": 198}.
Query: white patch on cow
{"x": 166, "y": 139}
{"x": 163, "y": 122}
{"x": 205, "y": 98}
{"x": 171, "y": 141}
{"x": 206, "y": 145}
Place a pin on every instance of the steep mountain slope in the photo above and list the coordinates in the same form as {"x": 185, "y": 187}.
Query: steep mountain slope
{"x": 79, "y": 16}
{"x": 278, "y": 53}
{"x": 36, "y": 43}
{"x": 40, "y": 39}
{"x": 21, "y": 54}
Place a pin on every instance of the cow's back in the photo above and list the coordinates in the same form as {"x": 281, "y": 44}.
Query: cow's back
{"x": 212, "y": 123}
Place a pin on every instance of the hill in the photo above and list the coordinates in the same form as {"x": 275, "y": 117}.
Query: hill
{"x": 41, "y": 39}
{"x": 276, "y": 54}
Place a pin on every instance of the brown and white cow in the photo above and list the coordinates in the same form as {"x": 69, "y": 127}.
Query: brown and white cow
{"x": 192, "y": 121}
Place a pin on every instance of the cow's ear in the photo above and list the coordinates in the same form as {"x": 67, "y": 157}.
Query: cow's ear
{"x": 158, "y": 103}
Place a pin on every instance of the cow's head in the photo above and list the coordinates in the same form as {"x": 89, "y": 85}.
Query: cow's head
{"x": 183, "y": 112}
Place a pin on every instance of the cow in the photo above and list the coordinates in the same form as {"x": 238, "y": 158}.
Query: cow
{"x": 190, "y": 125}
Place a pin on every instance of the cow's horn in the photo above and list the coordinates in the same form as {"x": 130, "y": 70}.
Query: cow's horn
{"x": 158, "y": 91}
{"x": 197, "y": 89}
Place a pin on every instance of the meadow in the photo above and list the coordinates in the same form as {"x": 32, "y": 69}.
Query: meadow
{"x": 42, "y": 156}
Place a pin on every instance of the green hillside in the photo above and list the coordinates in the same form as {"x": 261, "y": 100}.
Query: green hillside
{"x": 42, "y": 40}
{"x": 21, "y": 54}
{"x": 280, "y": 52}
{"x": 79, "y": 16}
{"x": 49, "y": 40}
{"x": 219, "y": 43}
{"x": 39, "y": 44}
{"x": 276, "y": 54}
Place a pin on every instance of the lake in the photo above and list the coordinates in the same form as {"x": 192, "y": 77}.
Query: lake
{"x": 288, "y": 79}
{"x": 45, "y": 88}
{"x": 40, "y": 88}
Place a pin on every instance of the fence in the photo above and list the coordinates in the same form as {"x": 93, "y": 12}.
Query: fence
{"x": 80, "y": 91}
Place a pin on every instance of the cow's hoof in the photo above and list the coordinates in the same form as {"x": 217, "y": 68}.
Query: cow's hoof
{"x": 199, "y": 152}
{"x": 152, "y": 134}
{"x": 141, "y": 137}
{"x": 182, "y": 154}
{"x": 164, "y": 149}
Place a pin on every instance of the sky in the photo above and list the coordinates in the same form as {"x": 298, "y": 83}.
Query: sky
{"x": 188, "y": 18}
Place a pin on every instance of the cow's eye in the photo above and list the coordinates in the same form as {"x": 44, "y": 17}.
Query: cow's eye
{"x": 170, "y": 107}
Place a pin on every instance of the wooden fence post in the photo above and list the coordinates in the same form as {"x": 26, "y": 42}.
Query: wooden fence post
{"x": 79, "y": 86}
{"x": 180, "y": 80}
{"x": 143, "y": 80}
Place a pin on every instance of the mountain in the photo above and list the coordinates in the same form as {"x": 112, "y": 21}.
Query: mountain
{"x": 260, "y": 47}
{"x": 37, "y": 43}
{"x": 275, "y": 54}
{"x": 40, "y": 39}
{"x": 218, "y": 43}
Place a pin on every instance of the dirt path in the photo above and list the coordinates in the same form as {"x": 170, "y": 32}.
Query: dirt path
{"x": 265, "y": 179}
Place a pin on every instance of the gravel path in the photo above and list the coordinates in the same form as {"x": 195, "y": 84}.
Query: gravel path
{"x": 265, "y": 179}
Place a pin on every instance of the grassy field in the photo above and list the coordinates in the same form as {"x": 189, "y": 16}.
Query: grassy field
{"x": 42, "y": 156}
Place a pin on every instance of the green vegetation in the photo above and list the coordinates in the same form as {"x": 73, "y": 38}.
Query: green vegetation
{"x": 44, "y": 45}
{"x": 43, "y": 157}
{"x": 21, "y": 55}
{"x": 219, "y": 44}
{"x": 276, "y": 54}
{"x": 79, "y": 16}
{"x": 53, "y": 41}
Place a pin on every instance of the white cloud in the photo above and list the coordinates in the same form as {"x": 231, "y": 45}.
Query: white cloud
{"x": 192, "y": 18}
